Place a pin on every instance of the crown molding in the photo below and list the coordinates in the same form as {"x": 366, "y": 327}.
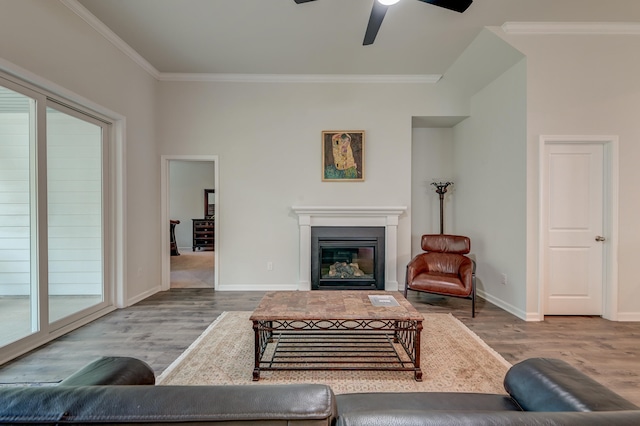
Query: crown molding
{"x": 572, "y": 28}
{"x": 120, "y": 44}
{"x": 106, "y": 32}
{"x": 303, "y": 78}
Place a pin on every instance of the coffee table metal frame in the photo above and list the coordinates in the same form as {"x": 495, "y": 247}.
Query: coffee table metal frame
{"x": 337, "y": 344}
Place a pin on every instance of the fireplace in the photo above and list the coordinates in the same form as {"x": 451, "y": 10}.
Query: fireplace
{"x": 347, "y": 258}
{"x": 350, "y": 216}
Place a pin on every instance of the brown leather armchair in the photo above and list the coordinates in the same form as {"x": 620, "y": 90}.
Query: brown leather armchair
{"x": 444, "y": 269}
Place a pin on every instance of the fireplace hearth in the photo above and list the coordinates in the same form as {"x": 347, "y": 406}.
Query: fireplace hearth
{"x": 347, "y": 258}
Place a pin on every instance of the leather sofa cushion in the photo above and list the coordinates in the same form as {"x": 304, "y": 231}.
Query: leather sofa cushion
{"x": 305, "y": 404}
{"x": 423, "y": 402}
{"x": 486, "y": 418}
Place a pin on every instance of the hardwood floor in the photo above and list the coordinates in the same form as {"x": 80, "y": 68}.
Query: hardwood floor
{"x": 161, "y": 327}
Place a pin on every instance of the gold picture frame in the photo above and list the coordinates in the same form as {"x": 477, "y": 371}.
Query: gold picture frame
{"x": 343, "y": 155}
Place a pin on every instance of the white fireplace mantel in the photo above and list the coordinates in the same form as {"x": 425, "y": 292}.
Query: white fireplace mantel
{"x": 309, "y": 216}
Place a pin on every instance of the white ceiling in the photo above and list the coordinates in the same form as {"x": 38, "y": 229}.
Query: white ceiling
{"x": 323, "y": 36}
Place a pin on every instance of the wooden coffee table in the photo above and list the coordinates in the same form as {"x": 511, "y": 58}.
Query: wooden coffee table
{"x": 335, "y": 330}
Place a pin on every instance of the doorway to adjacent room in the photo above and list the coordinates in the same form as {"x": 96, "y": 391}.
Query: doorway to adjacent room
{"x": 189, "y": 207}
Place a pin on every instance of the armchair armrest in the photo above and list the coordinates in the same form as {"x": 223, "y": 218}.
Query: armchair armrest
{"x": 416, "y": 265}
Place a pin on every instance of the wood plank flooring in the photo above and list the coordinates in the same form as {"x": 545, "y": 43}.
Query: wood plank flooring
{"x": 160, "y": 327}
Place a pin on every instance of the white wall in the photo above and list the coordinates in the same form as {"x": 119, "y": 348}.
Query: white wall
{"x": 431, "y": 159}
{"x": 586, "y": 85}
{"x": 268, "y": 140}
{"x": 487, "y": 165}
{"x": 187, "y": 182}
{"x": 267, "y": 137}
{"x": 490, "y": 159}
{"x": 52, "y": 43}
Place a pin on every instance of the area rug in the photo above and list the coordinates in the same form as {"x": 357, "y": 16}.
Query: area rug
{"x": 454, "y": 359}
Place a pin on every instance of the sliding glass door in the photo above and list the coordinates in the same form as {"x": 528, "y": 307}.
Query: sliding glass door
{"x": 18, "y": 266}
{"x": 74, "y": 212}
{"x": 53, "y": 216}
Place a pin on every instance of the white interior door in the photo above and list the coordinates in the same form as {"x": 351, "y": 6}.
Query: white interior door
{"x": 574, "y": 186}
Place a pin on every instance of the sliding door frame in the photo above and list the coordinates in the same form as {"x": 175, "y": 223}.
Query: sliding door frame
{"x": 46, "y": 94}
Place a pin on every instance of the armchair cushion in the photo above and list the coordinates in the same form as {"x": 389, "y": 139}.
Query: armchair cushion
{"x": 441, "y": 273}
{"x": 444, "y": 243}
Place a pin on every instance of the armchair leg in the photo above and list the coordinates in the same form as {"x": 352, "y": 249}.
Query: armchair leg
{"x": 406, "y": 283}
{"x": 473, "y": 304}
{"x": 473, "y": 296}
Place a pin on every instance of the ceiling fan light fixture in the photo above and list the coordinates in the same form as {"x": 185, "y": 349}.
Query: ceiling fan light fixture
{"x": 388, "y": 2}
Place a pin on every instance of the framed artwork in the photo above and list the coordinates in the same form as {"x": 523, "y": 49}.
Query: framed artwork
{"x": 209, "y": 203}
{"x": 343, "y": 155}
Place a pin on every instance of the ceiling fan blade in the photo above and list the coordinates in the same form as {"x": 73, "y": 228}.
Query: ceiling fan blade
{"x": 302, "y": 1}
{"x": 455, "y": 5}
{"x": 375, "y": 20}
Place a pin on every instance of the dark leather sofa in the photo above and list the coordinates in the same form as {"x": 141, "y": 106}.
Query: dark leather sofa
{"x": 115, "y": 390}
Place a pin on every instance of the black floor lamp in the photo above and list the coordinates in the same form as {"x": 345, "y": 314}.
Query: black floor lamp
{"x": 441, "y": 189}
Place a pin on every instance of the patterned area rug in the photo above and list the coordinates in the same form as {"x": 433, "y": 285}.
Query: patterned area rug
{"x": 454, "y": 359}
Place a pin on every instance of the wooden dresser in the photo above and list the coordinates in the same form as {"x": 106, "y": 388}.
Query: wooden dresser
{"x": 203, "y": 233}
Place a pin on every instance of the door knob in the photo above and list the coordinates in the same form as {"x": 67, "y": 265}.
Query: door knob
{"x": 600, "y": 239}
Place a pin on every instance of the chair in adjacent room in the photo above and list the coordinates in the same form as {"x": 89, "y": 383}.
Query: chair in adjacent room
{"x": 443, "y": 268}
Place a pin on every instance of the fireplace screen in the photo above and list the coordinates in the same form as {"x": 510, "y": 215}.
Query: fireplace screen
{"x": 347, "y": 258}
{"x": 347, "y": 262}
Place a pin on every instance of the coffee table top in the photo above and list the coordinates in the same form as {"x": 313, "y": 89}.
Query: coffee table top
{"x": 331, "y": 305}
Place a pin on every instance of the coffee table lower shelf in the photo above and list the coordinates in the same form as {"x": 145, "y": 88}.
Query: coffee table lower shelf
{"x": 380, "y": 345}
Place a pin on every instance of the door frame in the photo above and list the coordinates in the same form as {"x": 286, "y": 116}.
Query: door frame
{"x": 164, "y": 215}
{"x": 610, "y": 217}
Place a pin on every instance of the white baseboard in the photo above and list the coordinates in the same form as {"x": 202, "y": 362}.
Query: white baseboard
{"x": 392, "y": 286}
{"x": 535, "y": 316}
{"x": 257, "y": 287}
{"x": 509, "y": 307}
{"x": 628, "y": 316}
{"x": 142, "y": 296}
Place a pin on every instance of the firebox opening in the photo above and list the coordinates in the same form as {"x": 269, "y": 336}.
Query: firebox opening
{"x": 347, "y": 258}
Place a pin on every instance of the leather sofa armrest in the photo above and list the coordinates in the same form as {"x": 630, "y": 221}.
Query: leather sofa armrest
{"x": 546, "y": 384}
{"x": 112, "y": 370}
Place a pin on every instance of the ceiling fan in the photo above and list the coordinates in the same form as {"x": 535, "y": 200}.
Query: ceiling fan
{"x": 380, "y": 9}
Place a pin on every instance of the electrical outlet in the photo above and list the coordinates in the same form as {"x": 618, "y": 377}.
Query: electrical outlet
{"x": 504, "y": 280}
{"x": 269, "y": 266}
